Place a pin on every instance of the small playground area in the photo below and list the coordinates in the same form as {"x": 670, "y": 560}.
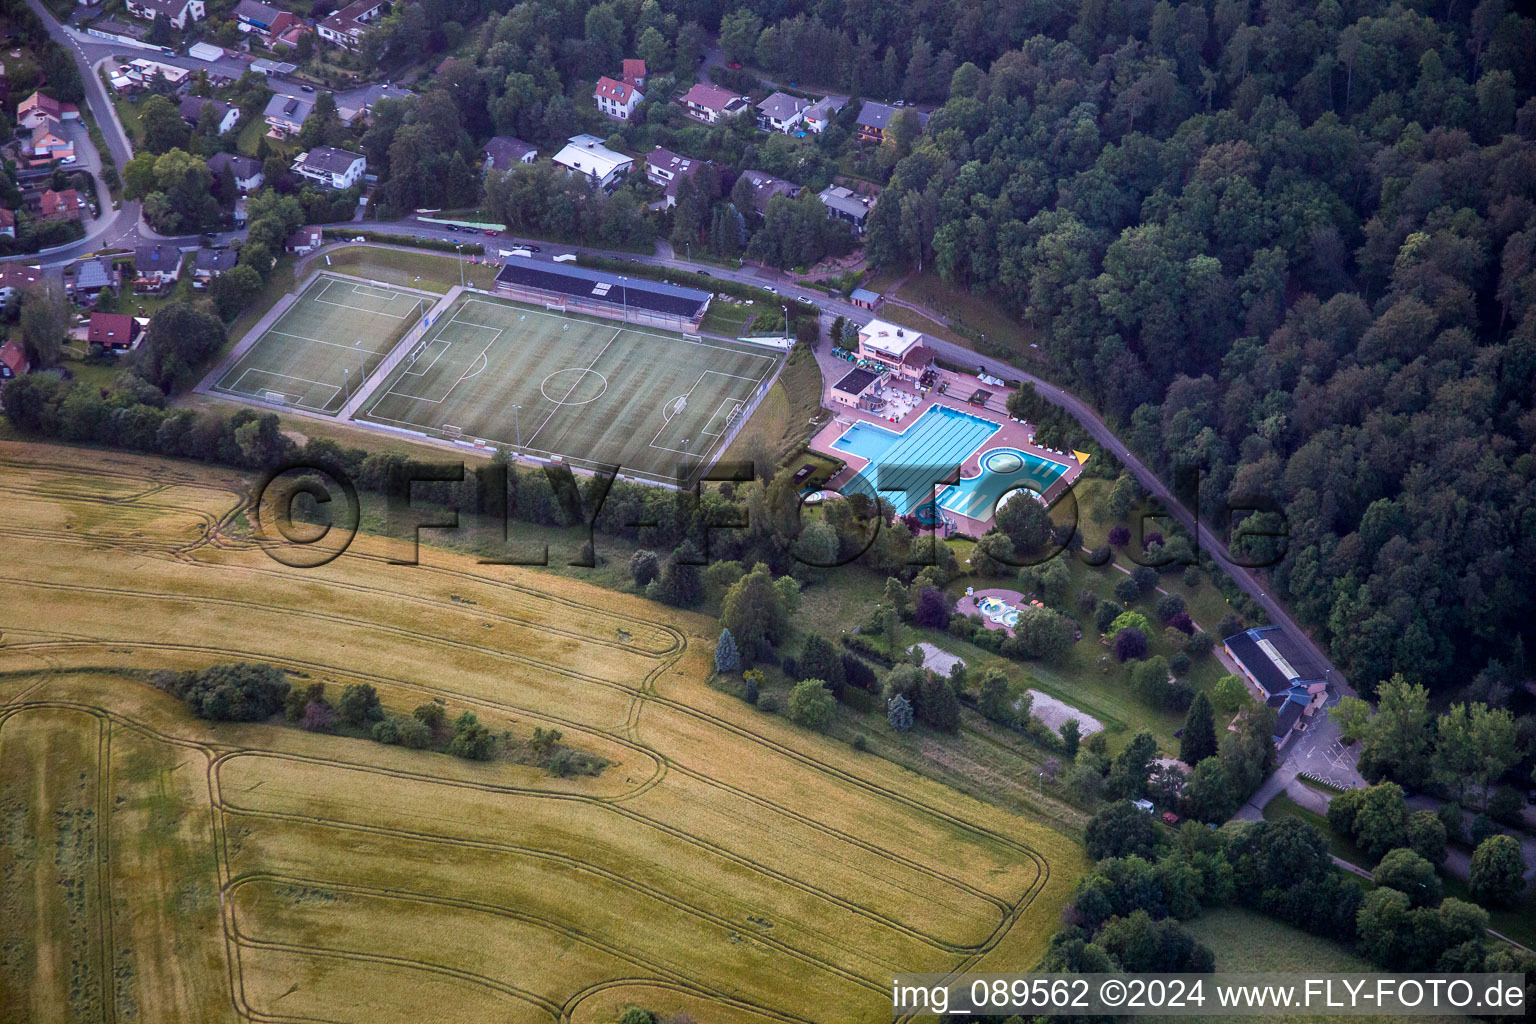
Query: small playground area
{"x": 996, "y": 456}
{"x": 325, "y": 345}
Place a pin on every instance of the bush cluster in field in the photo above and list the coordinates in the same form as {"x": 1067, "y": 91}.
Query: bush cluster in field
{"x": 247, "y": 692}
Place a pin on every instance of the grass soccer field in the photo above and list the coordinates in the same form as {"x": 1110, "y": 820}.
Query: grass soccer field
{"x": 332, "y": 337}
{"x": 155, "y": 867}
{"x": 586, "y": 390}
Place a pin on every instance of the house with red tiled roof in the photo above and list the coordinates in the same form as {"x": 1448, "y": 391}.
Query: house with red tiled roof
{"x": 709, "y": 102}
{"x": 347, "y": 26}
{"x": 14, "y": 276}
{"x": 616, "y": 99}
{"x": 66, "y": 205}
{"x": 7, "y": 222}
{"x": 114, "y": 332}
{"x": 31, "y": 111}
{"x": 13, "y": 360}
{"x": 633, "y": 72}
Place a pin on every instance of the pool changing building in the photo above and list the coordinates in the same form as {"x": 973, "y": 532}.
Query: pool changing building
{"x": 573, "y": 289}
{"x": 899, "y": 350}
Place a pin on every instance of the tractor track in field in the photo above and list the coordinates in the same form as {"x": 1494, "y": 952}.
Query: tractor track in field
{"x": 215, "y": 535}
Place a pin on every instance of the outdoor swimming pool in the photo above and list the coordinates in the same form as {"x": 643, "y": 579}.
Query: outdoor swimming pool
{"x": 1002, "y": 470}
{"x": 903, "y": 466}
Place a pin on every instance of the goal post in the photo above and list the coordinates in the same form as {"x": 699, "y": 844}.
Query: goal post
{"x": 276, "y": 398}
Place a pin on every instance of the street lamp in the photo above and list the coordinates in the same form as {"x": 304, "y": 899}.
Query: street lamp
{"x": 785, "y": 308}
{"x": 459, "y": 247}
{"x": 624, "y": 296}
{"x": 517, "y": 421}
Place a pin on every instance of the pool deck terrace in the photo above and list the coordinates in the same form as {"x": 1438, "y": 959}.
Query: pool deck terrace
{"x": 1011, "y": 433}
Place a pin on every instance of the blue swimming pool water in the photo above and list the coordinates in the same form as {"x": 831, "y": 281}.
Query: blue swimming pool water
{"x": 1002, "y": 470}
{"x": 903, "y": 466}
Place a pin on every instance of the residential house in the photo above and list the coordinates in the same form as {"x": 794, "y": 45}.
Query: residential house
{"x": 847, "y": 205}
{"x": 240, "y": 213}
{"x": 502, "y": 152}
{"x": 665, "y": 168}
{"x": 632, "y": 73}
{"x": 208, "y": 264}
{"x": 765, "y": 186}
{"x": 247, "y": 171}
{"x": 586, "y": 155}
{"x": 286, "y": 115}
{"x": 155, "y": 267}
{"x": 180, "y": 13}
{"x": 114, "y": 332}
{"x": 347, "y": 26}
{"x": 331, "y": 167}
{"x": 65, "y": 205}
{"x": 286, "y": 31}
{"x": 875, "y": 120}
{"x": 33, "y": 110}
{"x": 781, "y": 112}
{"x": 820, "y": 114}
{"x": 709, "y": 102}
{"x": 258, "y": 16}
{"x": 305, "y": 240}
{"x": 86, "y": 280}
{"x": 192, "y": 111}
{"x": 13, "y": 360}
{"x": 14, "y": 277}
{"x": 616, "y": 99}
{"x": 49, "y": 144}
{"x": 1284, "y": 674}
{"x": 7, "y": 223}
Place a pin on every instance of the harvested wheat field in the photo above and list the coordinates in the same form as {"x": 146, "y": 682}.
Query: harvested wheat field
{"x": 157, "y": 867}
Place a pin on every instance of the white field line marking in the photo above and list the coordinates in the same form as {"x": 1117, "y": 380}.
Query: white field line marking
{"x": 572, "y": 389}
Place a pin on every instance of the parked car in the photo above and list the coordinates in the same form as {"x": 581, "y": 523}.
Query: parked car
{"x": 307, "y": 88}
{"x": 531, "y": 247}
{"x": 805, "y": 299}
{"x": 67, "y": 159}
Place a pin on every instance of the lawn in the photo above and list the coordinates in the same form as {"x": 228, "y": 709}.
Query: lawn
{"x": 427, "y": 271}
{"x": 982, "y": 323}
{"x": 725, "y": 864}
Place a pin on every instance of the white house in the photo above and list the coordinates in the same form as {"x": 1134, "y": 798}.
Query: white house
{"x": 191, "y": 108}
{"x": 616, "y": 99}
{"x": 333, "y": 168}
{"x": 781, "y": 112}
{"x": 179, "y": 13}
{"x": 345, "y": 28}
{"x": 586, "y": 155}
{"x": 247, "y": 171}
{"x": 820, "y": 114}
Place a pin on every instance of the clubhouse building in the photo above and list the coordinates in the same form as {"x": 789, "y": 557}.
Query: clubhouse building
{"x": 573, "y": 289}
{"x": 1283, "y": 674}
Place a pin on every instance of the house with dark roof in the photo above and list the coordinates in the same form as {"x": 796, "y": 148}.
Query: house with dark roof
{"x": 857, "y": 389}
{"x": 864, "y": 298}
{"x": 847, "y": 205}
{"x": 114, "y": 332}
{"x": 765, "y": 186}
{"x": 208, "y": 264}
{"x": 665, "y": 168}
{"x": 503, "y": 152}
{"x": 875, "y": 119}
{"x": 246, "y": 170}
{"x": 331, "y": 167}
{"x": 1283, "y": 672}
{"x": 820, "y": 114}
{"x": 13, "y": 360}
{"x": 258, "y": 15}
{"x": 86, "y": 280}
{"x": 573, "y": 288}
{"x": 285, "y": 115}
{"x": 709, "y": 102}
{"x": 781, "y": 112}
{"x": 616, "y": 99}
{"x": 191, "y": 108}
{"x": 155, "y": 266}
